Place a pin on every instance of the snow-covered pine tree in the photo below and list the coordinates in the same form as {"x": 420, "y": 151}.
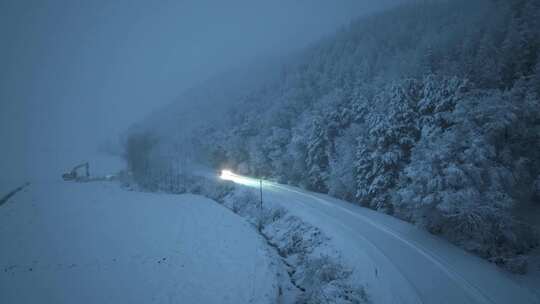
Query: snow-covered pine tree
{"x": 317, "y": 157}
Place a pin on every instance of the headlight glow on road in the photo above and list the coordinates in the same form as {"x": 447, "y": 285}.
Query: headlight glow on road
{"x": 228, "y": 175}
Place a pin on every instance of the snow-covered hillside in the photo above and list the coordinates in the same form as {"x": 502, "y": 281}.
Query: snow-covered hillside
{"x": 66, "y": 242}
{"x": 437, "y": 123}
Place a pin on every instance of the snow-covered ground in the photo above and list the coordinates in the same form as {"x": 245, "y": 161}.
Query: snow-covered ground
{"x": 65, "y": 242}
{"x": 100, "y": 165}
{"x": 397, "y": 262}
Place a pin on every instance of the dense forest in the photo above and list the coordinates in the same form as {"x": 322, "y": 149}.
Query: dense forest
{"x": 429, "y": 112}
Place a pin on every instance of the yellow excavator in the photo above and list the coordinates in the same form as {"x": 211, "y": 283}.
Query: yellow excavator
{"x": 74, "y": 175}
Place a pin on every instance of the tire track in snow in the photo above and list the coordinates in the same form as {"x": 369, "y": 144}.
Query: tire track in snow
{"x": 476, "y": 293}
{"x": 468, "y": 286}
{"x": 375, "y": 248}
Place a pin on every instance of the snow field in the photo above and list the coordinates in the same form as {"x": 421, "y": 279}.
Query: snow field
{"x": 97, "y": 243}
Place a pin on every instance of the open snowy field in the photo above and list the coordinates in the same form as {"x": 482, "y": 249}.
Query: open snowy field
{"x": 66, "y": 242}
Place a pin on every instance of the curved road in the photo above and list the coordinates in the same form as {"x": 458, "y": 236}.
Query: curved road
{"x": 397, "y": 261}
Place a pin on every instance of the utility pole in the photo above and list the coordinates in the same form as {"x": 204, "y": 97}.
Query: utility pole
{"x": 260, "y": 188}
{"x": 260, "y": 219}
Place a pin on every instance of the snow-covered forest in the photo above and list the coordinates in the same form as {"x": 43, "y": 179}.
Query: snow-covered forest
{"x": 429, "y": 112}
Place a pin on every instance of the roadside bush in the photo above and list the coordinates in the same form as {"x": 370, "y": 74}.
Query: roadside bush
{"x": 211, "y": 189}
{"x": 325, "y": 281}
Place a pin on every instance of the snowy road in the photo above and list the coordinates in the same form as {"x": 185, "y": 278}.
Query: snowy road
{"x": 96, "y": 243}
{"x": 396, "y": 261}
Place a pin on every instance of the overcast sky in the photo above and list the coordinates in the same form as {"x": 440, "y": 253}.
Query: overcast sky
{"x": 74, "y": 73}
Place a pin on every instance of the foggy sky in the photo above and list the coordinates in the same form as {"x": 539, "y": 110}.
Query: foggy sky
{"x": 74, "y": 73}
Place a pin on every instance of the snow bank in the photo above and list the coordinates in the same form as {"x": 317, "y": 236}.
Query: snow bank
{"x": 314, "y": 267}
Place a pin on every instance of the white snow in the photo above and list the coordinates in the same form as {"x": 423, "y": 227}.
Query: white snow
{"x": 65, "y": 242}
{"x": 397, "y": 262}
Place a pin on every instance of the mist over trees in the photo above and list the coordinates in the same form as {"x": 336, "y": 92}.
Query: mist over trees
{"x": 429, "y": 112}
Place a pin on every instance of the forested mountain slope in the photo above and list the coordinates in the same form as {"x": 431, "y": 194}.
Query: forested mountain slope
{"x": 429, "y": 112}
